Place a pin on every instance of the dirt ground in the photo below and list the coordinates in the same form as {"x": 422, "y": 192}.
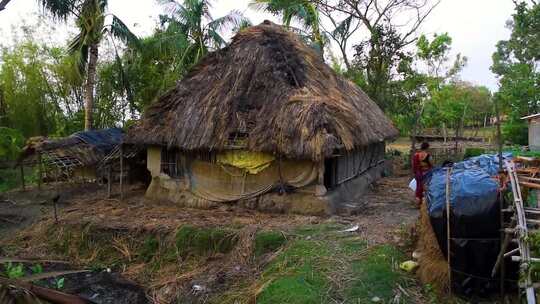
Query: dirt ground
{"x": 389, "y": 207}
{"x": 26, "y": 216}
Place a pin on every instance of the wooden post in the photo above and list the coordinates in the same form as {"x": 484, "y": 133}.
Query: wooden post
{"x": 448, "y": 234}
{"x": 501, "y": 198}
{"x": 58, "y": 196}
{"x": 109, "y": 182}
{"x": 320, "y": 189}
{"x": 40, "y": 172}
{"x": 22, "y": 178}
{"x": 121, "y": 171}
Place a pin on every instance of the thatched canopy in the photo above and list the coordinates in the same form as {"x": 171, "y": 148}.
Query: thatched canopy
{"x": 88, "y": 147}
{"x": 272, "y": 88}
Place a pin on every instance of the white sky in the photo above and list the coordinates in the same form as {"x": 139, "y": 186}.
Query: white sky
{"x": 475, "y": 25}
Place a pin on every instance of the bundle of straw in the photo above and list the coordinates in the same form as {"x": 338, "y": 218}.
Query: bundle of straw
{"x": 433, "y": 265}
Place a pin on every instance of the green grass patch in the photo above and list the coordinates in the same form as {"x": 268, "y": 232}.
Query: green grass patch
{"x": 297, "y": 276}
{"x": 376, "y": 275}
{"x": 268, "y": 241}
{"x": 199, "y": 241}
{"x": 150, "y": 248}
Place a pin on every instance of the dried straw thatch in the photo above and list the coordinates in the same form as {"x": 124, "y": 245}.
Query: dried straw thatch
{"x": 88, "y": 147}
{"x": 433, "y": 265}
{"x": 269, "y": 85}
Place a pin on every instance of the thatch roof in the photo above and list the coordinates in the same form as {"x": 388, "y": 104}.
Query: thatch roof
{"x": 269, "y": 85}
{"x": 88, "y": 147}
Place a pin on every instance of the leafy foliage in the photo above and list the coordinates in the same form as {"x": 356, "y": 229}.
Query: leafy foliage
{"x": 516, "y": 62}
{"x": 13, "y": 271}
{"x": 89, "y": 18}
{"x": 11, "y": 142}
{"x": 303, "y": 11}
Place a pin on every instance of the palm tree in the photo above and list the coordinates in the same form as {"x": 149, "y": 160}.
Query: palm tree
{"x": 201, "y": 29}
{"x": 301, "y": 10}
{"x": 90, "y": 17}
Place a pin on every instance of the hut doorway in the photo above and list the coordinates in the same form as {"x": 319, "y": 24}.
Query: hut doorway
{"x": 330, "y": 176}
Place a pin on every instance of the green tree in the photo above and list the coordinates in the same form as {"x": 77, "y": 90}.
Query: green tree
{"x": 456, "y": 105}
{"x": 30, "y": 100}
{"x": 201, "y": 33}
{"x": 303, "y": 11}
{"x": 516, "y": 63}
{"x": 90, "y": 18}
{"x": 11, "y": 142}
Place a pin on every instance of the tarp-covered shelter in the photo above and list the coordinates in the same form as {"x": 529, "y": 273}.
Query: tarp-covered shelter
{"x": 266, "y": 123}
{"x": 79, "y": 154}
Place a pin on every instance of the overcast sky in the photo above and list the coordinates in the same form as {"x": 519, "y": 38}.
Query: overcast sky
{"x": 475, "y": 25}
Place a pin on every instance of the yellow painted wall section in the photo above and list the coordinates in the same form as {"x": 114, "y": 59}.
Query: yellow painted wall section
{"x": 153, "y": 160}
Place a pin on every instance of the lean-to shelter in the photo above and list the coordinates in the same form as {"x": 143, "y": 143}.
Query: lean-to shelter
{"x": 266, "y": 123}
{"x": 77, "y": 155}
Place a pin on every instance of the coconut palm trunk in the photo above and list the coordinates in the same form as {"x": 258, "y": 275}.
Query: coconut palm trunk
{"x": 89, "y": 87}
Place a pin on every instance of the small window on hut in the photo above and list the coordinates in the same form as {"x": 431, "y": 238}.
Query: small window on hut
{"x": 171, "y": 162}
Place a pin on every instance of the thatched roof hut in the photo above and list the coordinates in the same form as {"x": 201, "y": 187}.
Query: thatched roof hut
{"x": 80, "y": 154}
{"x": 261, "y": 114}
{"x": 273, "y": 88}
{"x": 83, "y": 148}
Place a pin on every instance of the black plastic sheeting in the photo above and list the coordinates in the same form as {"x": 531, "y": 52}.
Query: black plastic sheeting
{"x": 474, "y": 221}
{"x": 104, "y": 140}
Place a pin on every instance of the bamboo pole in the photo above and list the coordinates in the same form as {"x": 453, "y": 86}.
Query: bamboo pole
{"x": 40, "y": 172}
{"x": 448, "y": 234}
{"x": 121, "y": 171}
{"x": 109, "y": 182}
{"x": 22, "y": 178}
{"x": 501, "y": 199}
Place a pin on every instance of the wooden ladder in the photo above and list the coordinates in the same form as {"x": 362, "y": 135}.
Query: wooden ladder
{"x": 524, "y": 220}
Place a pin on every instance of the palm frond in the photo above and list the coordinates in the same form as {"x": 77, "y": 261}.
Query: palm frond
{"x": 216, "y": 39}
{"x": 59, "y": 9}
{"x": 243, "y": 25}
{"x": 119, "y": 30}
{"x": 229, "y": 21}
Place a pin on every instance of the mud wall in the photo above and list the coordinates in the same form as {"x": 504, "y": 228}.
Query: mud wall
{"x": 300, "y": 201}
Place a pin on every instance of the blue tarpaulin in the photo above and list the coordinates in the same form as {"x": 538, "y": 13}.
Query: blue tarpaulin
{"x": 104, "y": 140}
{"x": 471, "y": 190}
{"x": 474, "y": 220}
{"x": 471, "y": 185}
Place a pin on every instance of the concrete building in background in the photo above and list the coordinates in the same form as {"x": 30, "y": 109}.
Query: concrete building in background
{"x": 534, "y": 131}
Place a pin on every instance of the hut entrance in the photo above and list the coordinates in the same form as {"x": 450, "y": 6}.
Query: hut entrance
{"x": 330, "y": 168}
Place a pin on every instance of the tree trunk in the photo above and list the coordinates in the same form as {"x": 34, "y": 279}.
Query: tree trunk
{"x": 89, "y": 87}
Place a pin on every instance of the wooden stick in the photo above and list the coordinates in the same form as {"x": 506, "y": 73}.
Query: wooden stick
{"x": 22, "y": 177}
{"x": 121, "y": 171}
{"x": 448, "y": 234}
{"x": 109, "y": 182}
{"x": 40, "y": 172}
{"x": 530, "y": 185}
{"x": 501, "y": 199}
{"x": 47, "y": 294}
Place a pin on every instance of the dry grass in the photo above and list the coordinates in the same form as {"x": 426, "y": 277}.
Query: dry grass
{"x": 270, "y": 85}
{"x": 433, "y": 265}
